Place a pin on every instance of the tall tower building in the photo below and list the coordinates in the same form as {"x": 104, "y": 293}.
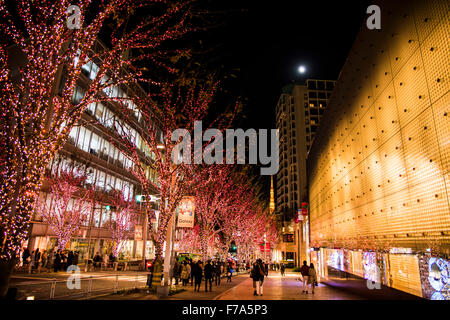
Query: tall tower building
{"x": 298, "y": 114}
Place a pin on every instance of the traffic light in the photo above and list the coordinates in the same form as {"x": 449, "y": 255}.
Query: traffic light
{"x": 110, "y": 208}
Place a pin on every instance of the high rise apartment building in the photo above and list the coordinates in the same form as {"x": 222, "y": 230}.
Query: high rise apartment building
{"x": 298, "y": 115}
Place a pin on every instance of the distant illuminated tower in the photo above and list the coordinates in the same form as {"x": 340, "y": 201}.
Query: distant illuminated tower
{"x": 272, "y": 197}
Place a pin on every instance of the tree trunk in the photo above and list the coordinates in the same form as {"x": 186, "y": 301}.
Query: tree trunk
{"x": 6, "y": 267}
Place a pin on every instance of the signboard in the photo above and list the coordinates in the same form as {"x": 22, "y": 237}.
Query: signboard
{"x": 186, "y": 212}
{"x": 137, "y": 232}
{"x": 261, "y": 247}
{"x": 304, "y": 208}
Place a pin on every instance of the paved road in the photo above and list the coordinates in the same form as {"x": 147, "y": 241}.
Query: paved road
{"x": 241, "y": 288}
{"x": 39, "y": 286}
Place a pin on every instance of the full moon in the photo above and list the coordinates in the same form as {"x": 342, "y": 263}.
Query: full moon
{"x": 301, "y": 69}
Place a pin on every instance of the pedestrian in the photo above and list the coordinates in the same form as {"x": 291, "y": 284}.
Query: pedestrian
{"x": 258, "y": 277}
{"x": 198, "y": 276}
{"x": 304, "y": 270}
{"x": 26, "y": 256}
{"x": 105, "y": 261}
{"x": 50, "y": 260}
{"x": 75, "y": 258}
{"x": 176, "y": 271}
{"x": 44, "y": 259}
{"x": 209, "y": 270}
{"x": 97, "y": 261}
{"x": 312, "y": 276}
{"x": 185, "y": 273}
{"x": 254, "y": 274}
{"x": 282, "y": 269}
{"x": 33, "y": 261}
{"x": 57, "y": 263}
{"x": 64, "y": 260}
{"x": 266, "y": 269}
{"x": 70, "y": 258}
{"x": 218, "y": 271}
{"x": 193, "y": 270}
{"x": 229, "y": 272}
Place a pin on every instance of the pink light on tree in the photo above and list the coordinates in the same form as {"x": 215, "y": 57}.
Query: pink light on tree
{"x": 175, "y": 107}
{"x": 124, "y": 218}
{"x": 68, "y": 206}
{"x": 41, "y": 61}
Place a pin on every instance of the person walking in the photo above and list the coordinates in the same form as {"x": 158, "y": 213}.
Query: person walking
{"x": 312, "y": 276}
{"x": 259, "y": 283}
{"x": 57, "y": 263}
{"x": 97, "y": 261}
{"x": 50, "y": 260}
{"x": 70, "y": 258}
{"x": 176, "y": 271}
{"x": 185, "y": 273}
{"x": 25, "y": 256}
{"x": 218, "y": 273}
{"x": 44, "y": 259}
{"x": 209, "y": 271}
{"x": 255, "y": 274}
{"x": 193, "y": 270}
{"x": 63, "y": 260}
{"x": 266, "y": 269}
{"x": 198, "y": 276}
{"x": 282, "y": 269}
{"x": 229, "y": 272}
{"x": 106, "y": 261}
{"x": 304, "y": 270}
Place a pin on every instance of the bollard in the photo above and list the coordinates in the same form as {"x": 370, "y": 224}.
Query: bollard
{"x": 53, "y": 288}
{"x": 116, "y": 284}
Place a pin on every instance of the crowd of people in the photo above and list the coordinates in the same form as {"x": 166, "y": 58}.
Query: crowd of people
{"x": 56, "y": 260}
{"x": 189, "y": 271}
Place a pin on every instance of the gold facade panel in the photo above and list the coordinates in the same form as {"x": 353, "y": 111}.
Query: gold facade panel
{"x": 428, "y": 14}
{"x": 436, "y": 58}
{"x": 386, "y": 115}
{"x": 381, "y": 175}
{"x": 442, "y": 120}
{"x": 411, "y": 89}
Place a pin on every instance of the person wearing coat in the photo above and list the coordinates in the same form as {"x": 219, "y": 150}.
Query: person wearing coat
{"x": 57, "y": 263}
{"x": 198, "y": 273}
{"x": 25, "y": 256}
{"x": 70, "y": 259}
{"x": 209, "y": 271}
{"x": 257, "y": 274}
{"x": 185, "y": 273}
{"x": 312, "y": 276}
{"x": 218, "y": 272}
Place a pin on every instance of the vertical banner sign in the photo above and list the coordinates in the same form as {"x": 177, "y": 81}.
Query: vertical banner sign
{"x": 186, "y": 212}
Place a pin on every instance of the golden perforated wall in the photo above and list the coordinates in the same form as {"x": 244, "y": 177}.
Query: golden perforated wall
{"x": 379, "y": 166}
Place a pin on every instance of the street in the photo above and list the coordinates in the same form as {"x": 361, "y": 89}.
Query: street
{"x": 39, "y": 286}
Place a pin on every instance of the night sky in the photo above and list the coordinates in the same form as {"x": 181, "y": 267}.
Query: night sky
{"x": 263, "y": 43}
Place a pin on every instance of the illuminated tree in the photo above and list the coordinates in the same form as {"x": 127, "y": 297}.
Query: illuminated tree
{"x": 67, "y": 206}
{"x": 124, "y": 217}
{"x": 173, "y": 108}
{"x": 41, "y": 62}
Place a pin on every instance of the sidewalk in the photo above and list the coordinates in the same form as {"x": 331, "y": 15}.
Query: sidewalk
{"x": 284, "y": 288}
